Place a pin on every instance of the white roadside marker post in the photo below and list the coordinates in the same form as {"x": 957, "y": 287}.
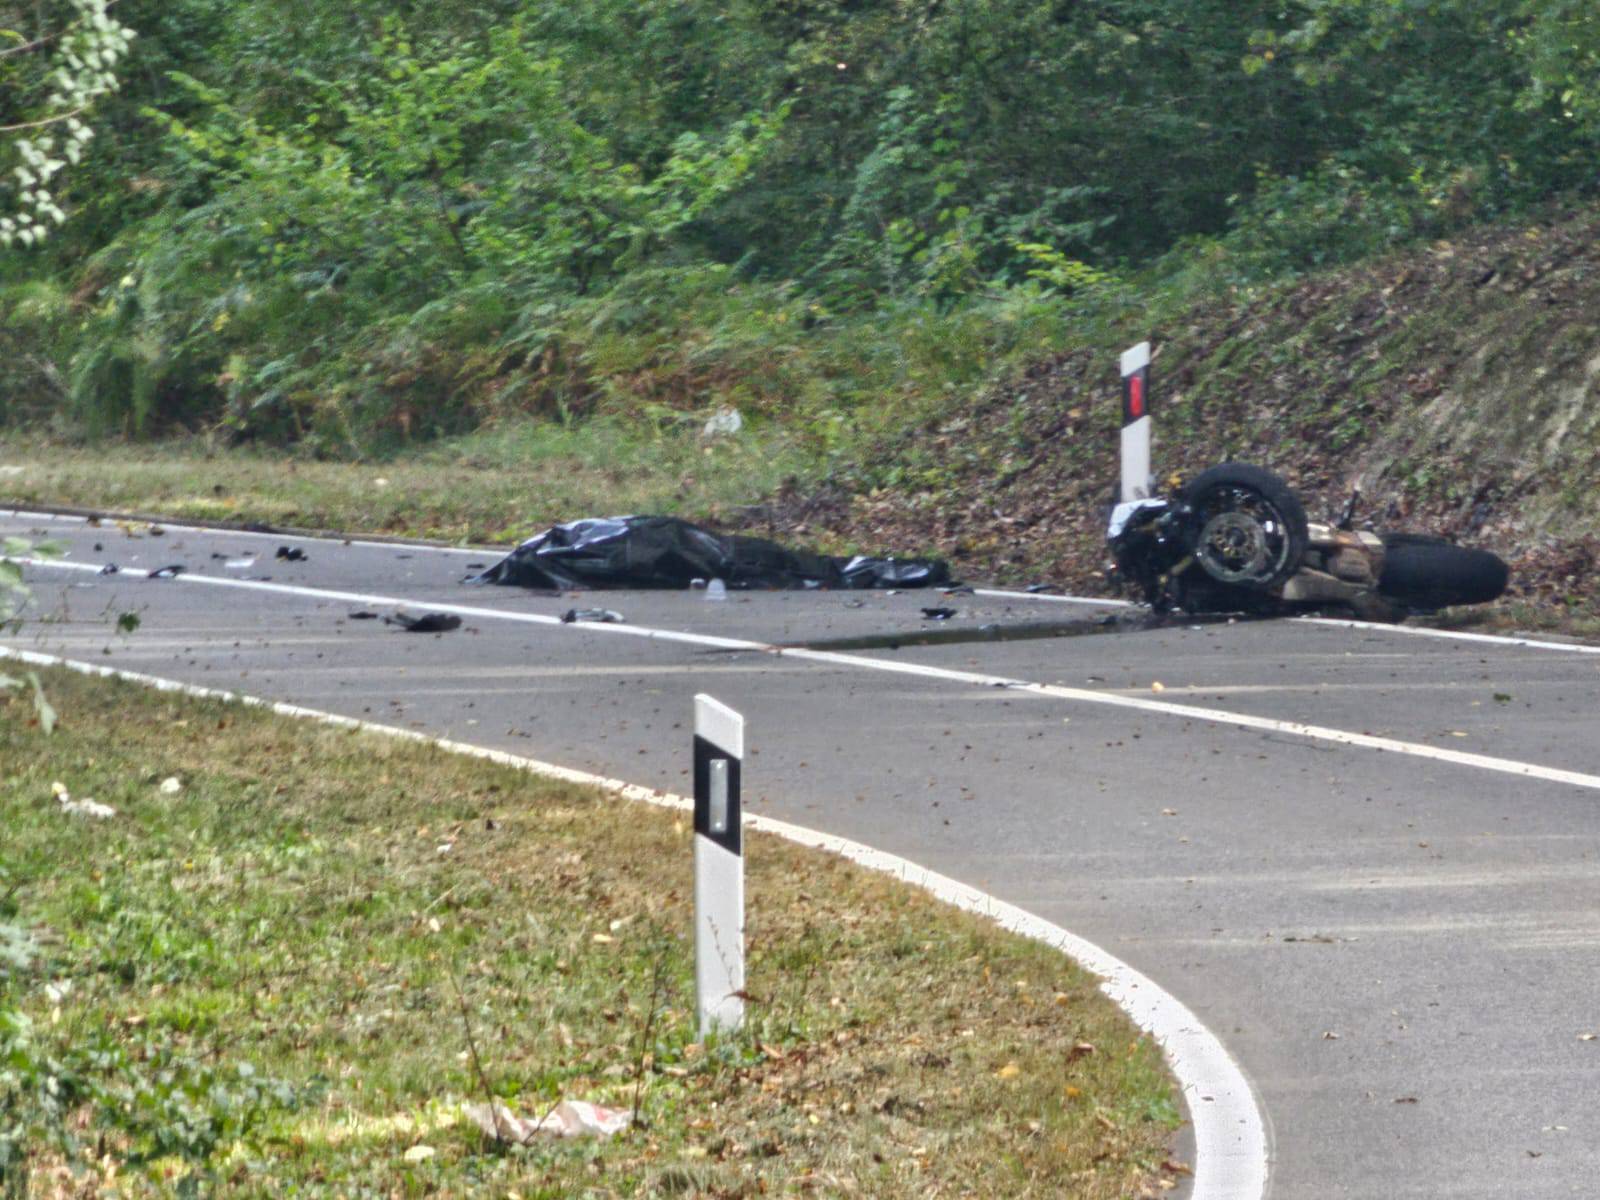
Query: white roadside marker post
{"x": 718, "y": 867}
{"x": 1136, "y": 482}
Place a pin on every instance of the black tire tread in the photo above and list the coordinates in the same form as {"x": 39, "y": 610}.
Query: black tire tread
{"x": 1274, "y": 490}
{"x": 1429, "y": 573}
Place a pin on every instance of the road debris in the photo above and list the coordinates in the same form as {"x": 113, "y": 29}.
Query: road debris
{"x": 940, "y": 613}
{"x": 426, "y": 623}
{"x": 602, "y": 616}
{"x": 171, "y": 571}
{"x": 290, "y": 554}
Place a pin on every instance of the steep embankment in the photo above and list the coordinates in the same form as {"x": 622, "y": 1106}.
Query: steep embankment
{"x": 1458, "y": 384}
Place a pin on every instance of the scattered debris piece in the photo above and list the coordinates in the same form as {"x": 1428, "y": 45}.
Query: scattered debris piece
{"x": 290, "y": 554}
{"x": 716, "y": 590}
{"x": 477, "y": 566}
{"x": 603, "y": 616}
{"x": 110, "y": 569}
{"x": 81, "y": 808}
{"x": 1158, "y": 686}
{"x": 128, "y": 622}
{"x": 171, "y": 785}
{"x": 363, "y": 616}
{"x": 665, "y": 552}
{"x": 170, "y": 571}
{"x": 725, "y": 422}
{"x": 419, "y": 1153}
{"x": 960, "y": 589}
{"x": 940, "y": 613}
{"x": 568, "y": 1119}
{"x": 426, "y": 623}
{"x": 1035, "y": 589}
{"x": 239, "y": 564}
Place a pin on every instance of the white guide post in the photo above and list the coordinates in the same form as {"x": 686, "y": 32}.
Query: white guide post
{"x": 718, "y": 867}
{"x": 1136, "y": 482}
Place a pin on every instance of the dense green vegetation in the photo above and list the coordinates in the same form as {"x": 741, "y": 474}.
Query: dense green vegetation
{"x": 350, "y": 225}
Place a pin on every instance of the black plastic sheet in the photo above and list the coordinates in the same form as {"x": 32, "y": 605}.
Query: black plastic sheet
{"x": 665, "y": 552}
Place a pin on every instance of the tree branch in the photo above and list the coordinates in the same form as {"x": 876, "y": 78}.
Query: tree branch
{"x": 40, "y": 124}
{"x": 49, "y": 37}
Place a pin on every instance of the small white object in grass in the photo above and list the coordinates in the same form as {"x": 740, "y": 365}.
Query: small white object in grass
{"x": 725, "y": 422}
{"x": 569, "y": 1119}
{"x": 419, "y": 1153}
{"x": 171, "y": 785}
{"x": 380, "y": 482}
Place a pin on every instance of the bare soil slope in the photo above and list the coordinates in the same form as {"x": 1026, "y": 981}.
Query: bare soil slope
{"x": 1457, "y": 384}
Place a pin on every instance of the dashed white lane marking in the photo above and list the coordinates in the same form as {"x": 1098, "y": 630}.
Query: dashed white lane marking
{"x": 1229, "y": 1130}
{"x": 1218, "y": 716}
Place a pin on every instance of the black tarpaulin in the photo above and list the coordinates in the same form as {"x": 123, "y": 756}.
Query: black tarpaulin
{"x": 665, "y": 552}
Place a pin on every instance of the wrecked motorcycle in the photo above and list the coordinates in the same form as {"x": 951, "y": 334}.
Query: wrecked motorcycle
{"x": 1235, "y": 539}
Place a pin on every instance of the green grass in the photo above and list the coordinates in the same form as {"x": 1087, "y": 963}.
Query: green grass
{"x": 501, "y": 484}
{"x": 272, "y": 982}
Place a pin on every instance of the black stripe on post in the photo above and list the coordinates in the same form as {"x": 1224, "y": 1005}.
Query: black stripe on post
{"x": 730, "y": 837}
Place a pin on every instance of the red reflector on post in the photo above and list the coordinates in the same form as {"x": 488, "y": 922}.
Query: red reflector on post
{"x": 1136, "y": 397}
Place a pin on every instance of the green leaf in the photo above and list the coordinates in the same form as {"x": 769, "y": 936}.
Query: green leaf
{"x": 42, "y": 706}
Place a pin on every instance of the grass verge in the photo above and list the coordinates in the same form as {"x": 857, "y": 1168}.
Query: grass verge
{"x": 282, "y": 974}
{"x": 498, "y": 485}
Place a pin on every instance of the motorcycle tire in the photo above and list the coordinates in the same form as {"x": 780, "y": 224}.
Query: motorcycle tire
{"x": 1250, "y": 528}
{"x": 1424, "y": 572}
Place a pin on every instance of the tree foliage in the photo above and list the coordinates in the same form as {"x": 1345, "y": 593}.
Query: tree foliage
{"x": 53, "y": 71}
{"x": 368, "y": 219}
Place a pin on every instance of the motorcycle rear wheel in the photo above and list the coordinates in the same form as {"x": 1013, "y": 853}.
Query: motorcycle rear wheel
{"x": 1424, "y": 572}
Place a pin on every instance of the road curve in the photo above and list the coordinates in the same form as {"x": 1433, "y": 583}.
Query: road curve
{"x": 1365, "y": 859}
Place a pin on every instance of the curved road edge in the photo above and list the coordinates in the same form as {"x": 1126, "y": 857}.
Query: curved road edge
{"x": 1229, "y": 1127}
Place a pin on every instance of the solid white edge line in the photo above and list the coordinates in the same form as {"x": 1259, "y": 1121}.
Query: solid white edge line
{"x": 1454, "y": 635}
{"x": 1322, "y": 733}
{"x": 180, "y": 527}
{"x": 1000, "y": 593}
{"x": 1229, "y": 1129}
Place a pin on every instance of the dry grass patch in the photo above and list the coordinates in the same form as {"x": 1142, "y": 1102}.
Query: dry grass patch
{"x": 270, "y": 980}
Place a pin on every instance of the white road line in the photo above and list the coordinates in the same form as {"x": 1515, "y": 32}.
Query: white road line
{"x": 1320, "y": 733}
{"x": 1003, "y": 594}
{"x": 1488, "y": 639}
{"x": 1491, "y": 639}
{"x": 221, "y": 531}
{"x": 1229, "y": 1130}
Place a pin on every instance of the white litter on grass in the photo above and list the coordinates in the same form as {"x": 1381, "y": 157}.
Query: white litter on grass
{"x": 568, "y": 1119}
{"x": 419, "y": 1153}
{"x": 171, "y": 785}
{"x": 725, "y": 422}
{"x": 87, "y": 807}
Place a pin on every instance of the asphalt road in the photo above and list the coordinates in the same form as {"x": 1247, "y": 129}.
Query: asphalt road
{"x": 1399, "y": 943}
